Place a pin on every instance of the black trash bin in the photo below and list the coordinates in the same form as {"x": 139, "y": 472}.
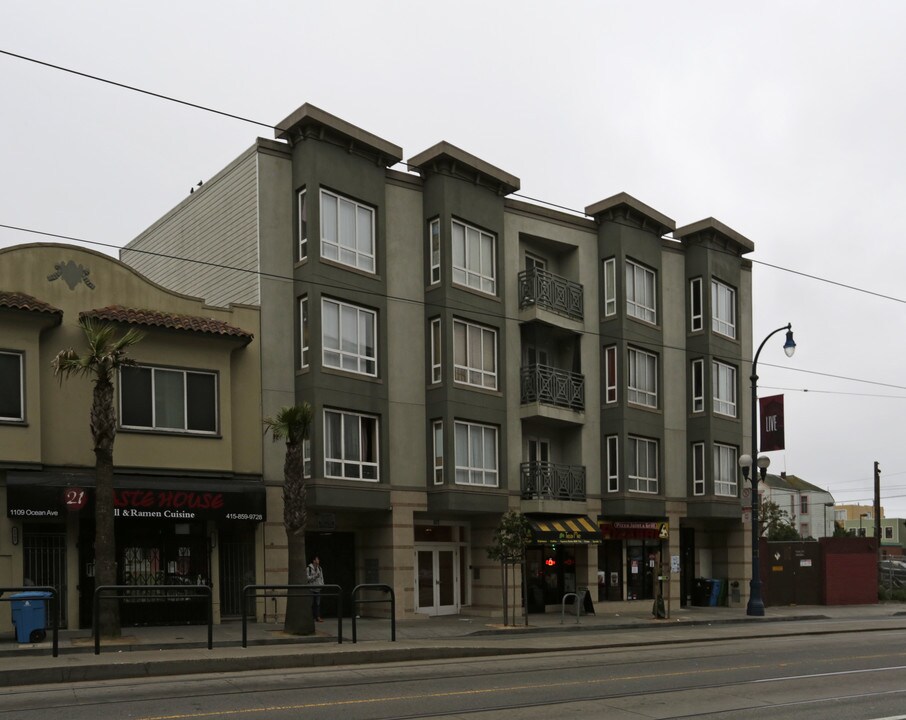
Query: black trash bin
{"x": 702, "y": 595}
{"x": 29, "y": 611}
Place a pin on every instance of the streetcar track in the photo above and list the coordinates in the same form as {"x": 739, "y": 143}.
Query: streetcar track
{"x": 548, "y": 703}
{"x": 467, "y": 672}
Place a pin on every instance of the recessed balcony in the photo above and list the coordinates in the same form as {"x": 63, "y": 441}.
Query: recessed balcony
{"x": 552, "y": 481}
{"x": 540, "y": 288}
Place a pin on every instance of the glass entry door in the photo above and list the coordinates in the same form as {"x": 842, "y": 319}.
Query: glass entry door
{"x": 438, "y": 583}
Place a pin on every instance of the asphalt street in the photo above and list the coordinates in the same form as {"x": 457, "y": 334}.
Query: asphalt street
{"x": 827, "y": 670}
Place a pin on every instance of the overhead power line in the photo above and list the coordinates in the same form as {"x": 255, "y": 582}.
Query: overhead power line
{"x": 133, "y": 88}
{"x": 287, "y": 278}
{"x": 271, "y": 126}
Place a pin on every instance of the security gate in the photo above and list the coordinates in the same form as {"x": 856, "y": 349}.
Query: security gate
{"x": 44, "y": 563}
{"x": 237, "y": 569}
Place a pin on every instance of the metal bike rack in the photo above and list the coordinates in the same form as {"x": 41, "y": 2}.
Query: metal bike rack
{"x": 563, "y": 606}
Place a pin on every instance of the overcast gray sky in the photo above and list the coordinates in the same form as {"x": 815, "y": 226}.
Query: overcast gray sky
{"x": 783, "y": 120}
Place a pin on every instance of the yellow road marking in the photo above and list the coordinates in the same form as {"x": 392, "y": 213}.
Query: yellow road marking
{"x": 426, "y": 696}
{"x": 463, "y": 693}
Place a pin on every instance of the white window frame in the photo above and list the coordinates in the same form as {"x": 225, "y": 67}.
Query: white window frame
{"x": 357, "y": 361}
{"x": 641, "y": 477}
{"x": 434, "y": 250}
{"x": 611, "y": 378}
{"x": 803, "y": 505}
{"x": 306, "y": 458}
{"x": 698, "y": 385}
{"x": 157, "y": 423}
{"x": 351, "y": 252}
{"x": 303, "y": 227}
{"x": 726, "y": 468}
{"x": 472, "y": 373}
{"x": 304, "y": 330}
{"x": 698, "y": 468}
{"x": 610, "y": 287}
{"x": 640, "y": 282}
{"x": 476, "y": 273}
{"x": 473, "y": 466}
{"x": 613, "y": 463}
{"x": 723, "y": 309}
{"x": 642, "y": 383}
{"x": 696, "y": 315}
{"x": 436, "y": 350}
{"x": 21, "y": 380}
{"x": 723, "y": 384}
{"x": 437, "y": 432}
{"x": 356, "y": 423}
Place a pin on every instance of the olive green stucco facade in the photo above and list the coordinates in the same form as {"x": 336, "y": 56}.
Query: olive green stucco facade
{"x": 478, "y": 376}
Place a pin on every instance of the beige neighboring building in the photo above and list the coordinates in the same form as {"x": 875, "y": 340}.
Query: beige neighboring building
{"x": 189, "y": 492}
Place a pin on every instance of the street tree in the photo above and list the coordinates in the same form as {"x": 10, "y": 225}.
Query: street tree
{"x": 293, "y": 424}
{"x": 512, "y": 535}
{"x": 106, "y": 354}
{"x": 776, "y": 523}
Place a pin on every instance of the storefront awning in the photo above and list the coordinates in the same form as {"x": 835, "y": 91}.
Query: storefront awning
{"x": 575, "y": 530}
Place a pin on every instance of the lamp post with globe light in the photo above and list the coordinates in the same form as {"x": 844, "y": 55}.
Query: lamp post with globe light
{"x": 753, "y": 464}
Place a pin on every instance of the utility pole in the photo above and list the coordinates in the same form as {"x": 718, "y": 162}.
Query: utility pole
{"x": 878, "y": 507}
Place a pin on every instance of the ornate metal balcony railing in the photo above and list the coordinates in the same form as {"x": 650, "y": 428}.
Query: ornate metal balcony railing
{"x": 552, "y": 292}
{"x": 552, "y": 481}
{"x": 552, "y": 386}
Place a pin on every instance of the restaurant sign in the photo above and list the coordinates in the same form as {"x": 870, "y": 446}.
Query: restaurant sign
{"x": 47, "y": 502}
{"x": 635, "y": 530}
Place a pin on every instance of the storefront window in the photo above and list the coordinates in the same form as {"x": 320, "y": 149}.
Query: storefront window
{"x": 551, "y": 574}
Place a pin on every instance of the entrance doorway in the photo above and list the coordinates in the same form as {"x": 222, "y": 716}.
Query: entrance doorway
{"x": 438, "y": 580}
{"x": 44, "y": 563}
{"x": 641, "y": 568}
{"x": 237, "y": 567}
{"x": 336, "y": 551}
{"x": 551, "y": 573}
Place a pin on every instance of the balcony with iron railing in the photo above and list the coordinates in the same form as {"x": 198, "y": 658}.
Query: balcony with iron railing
{"x": 552, "y": 386}
{"x": 552, "y": 481}
{"x": 540, "y": 288}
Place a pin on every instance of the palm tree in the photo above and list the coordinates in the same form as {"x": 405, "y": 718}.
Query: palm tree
{"x": 106, "y": 354}
{"x": 294, "y": 424}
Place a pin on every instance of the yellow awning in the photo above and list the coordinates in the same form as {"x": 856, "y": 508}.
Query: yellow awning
{"x": 570, "y": 530}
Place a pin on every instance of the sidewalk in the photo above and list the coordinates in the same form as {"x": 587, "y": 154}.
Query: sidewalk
{"x": 180, "y": 650}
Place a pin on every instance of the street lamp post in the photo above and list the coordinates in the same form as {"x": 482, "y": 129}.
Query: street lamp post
{"x": 755, "y": 463}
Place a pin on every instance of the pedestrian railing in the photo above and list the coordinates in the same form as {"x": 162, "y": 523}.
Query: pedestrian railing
{"x": 160, "y": 592}
{"x": 250, "y": 591}
{"x": 53, "y": 611}
{"x": 386, "y": 589}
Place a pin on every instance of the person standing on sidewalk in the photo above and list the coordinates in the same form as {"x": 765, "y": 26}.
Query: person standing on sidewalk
{"x": 315, "y": 577}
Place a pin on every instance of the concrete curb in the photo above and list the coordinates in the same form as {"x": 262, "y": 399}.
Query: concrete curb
{"x": 124, "y": 668}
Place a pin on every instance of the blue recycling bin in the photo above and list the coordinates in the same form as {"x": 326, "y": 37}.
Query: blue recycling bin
{"x": 29, "y": 610}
